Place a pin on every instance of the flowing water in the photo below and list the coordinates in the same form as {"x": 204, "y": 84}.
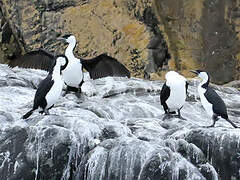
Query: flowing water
{"x": 116, "y": 130}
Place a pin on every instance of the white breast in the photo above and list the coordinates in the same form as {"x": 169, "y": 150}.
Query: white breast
{"x": 206, "y": 105}
{"x": 177, "y": 94}
{"x": 72, "y": 74}
{"x": 55, "y": 92}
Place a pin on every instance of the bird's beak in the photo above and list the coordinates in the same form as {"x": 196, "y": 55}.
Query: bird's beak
{"x": 61, "y": 39}
{"x": 195, "y": 72}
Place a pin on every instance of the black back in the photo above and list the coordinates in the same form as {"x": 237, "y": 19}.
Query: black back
{"x": 164, "y": 95}
{"x": 38, "y": 59}
{"x": 103, "y": 66}
{"x": 42, "y": 90}
{"x": 219, "y": 106}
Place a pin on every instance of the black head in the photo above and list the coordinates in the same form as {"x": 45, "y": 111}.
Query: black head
{"x": 66, "y": 36}
{"x": 68, "y": 39}
{"x": 203, "y": 75}
{"x": 200, "y": 73}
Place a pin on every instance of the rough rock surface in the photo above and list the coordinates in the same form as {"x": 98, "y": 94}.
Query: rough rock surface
{"x": 143, "y": 34}
{"x": 202, "y": 33}
{"x": 116, "y": 130}
{"x": 122, "y": 29}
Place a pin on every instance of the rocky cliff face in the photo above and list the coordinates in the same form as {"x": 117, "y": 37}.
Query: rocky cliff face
{"x": 143, "y": 34}
{"x": 203, "y": 33}
{"x": 116, "y": 130}
{"x": 121, "y": 29}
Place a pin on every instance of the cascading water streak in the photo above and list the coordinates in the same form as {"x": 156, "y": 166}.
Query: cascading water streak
{"x": 116, "y": 130}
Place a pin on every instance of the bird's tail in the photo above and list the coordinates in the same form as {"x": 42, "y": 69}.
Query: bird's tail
{"x": 234, "y": 125}
{"x": 29, "y": 113}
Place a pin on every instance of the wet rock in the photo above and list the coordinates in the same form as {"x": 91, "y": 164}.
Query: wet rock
{"x": 235, "y": 84}
{"x": 14, "y": 164}
{"x": 120, "y": 136}
{"x": 221, "y": 148}
{"x": 208, "y": 171}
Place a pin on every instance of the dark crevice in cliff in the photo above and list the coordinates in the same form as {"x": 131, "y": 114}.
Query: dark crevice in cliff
{"x": 9, "y": 46}
{"x": 167, "y": 20}
{"x": 53, "y": 5}
{"x": 157, "y": 47}
{"x": 158, "y": 53}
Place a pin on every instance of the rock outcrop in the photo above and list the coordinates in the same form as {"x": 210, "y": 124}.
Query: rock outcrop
{"x": 202, "y": 33}
{"x": 149, "y": 37}
{"x": 121, "y": 29}
{"x": 116, "y": 130}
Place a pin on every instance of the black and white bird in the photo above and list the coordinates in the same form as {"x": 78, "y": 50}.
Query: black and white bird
{"x": 50, "y": 88}
{"x": 211, "y": 101}
{"x": 73, "y": 73}
{"x": 98, "y": 67}
{"x": 173, "y": 93}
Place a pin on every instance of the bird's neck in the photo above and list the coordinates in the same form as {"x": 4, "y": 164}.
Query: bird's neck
{"x": 70, "y": 49}
{"x": 204, "y": 83}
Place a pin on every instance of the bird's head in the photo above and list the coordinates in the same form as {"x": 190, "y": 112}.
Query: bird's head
{"x": 62, "y": 60}
{"x": 201, "y": 74}
{"x": 68, "y": 38}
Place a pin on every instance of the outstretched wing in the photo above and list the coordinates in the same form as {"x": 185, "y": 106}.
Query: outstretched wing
{"x": 38, "y": 59}
{"x": 103, "y": 66}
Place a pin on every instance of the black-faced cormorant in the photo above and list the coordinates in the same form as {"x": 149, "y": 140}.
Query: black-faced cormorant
{"x": 211, "y": 101}
{"x": 50, "y": 88}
